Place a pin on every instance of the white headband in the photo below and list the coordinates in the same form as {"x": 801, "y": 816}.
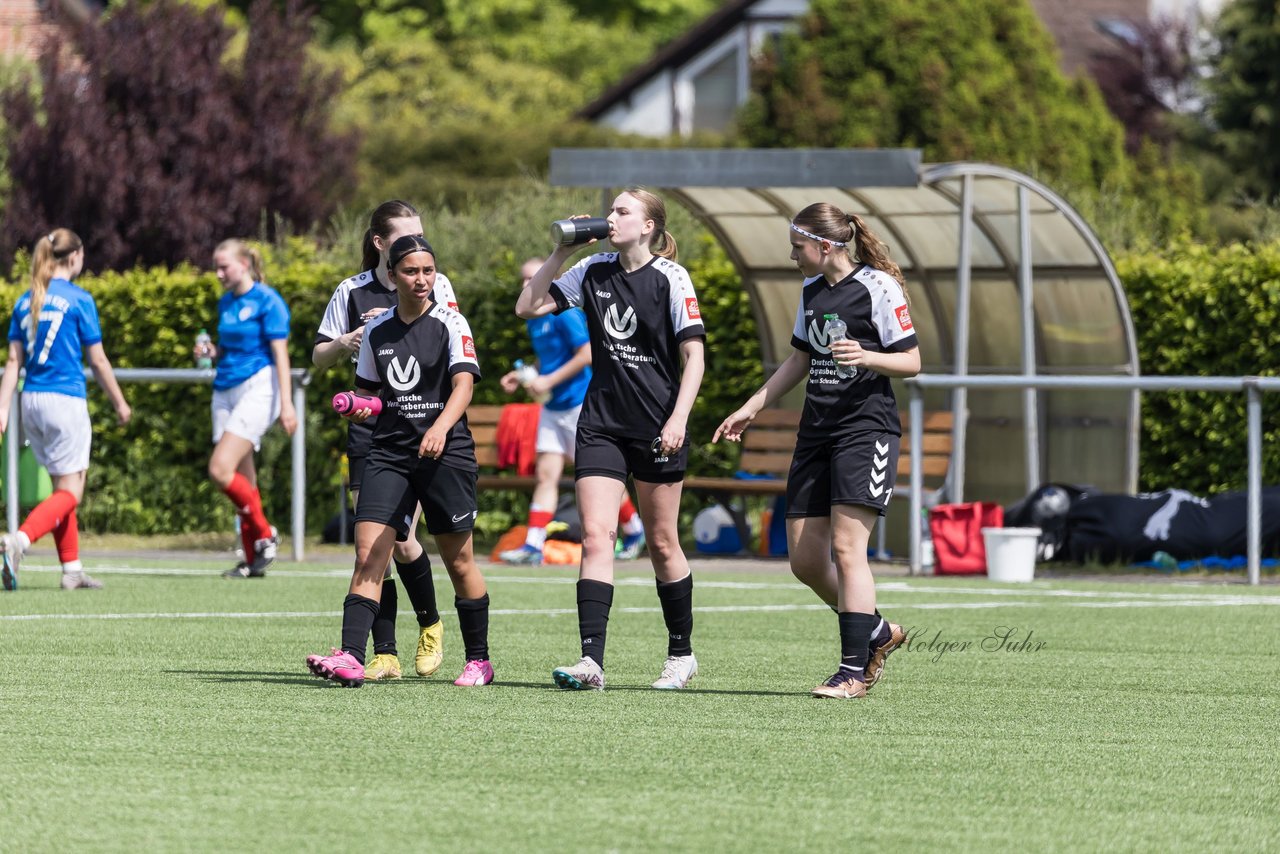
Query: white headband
{"x": 798, "y": 230}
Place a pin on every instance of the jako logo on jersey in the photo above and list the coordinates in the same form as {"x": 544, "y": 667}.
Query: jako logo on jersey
{"x": 818, "y": 338}
{"x": 691, "y": 308}
{"x": 468, "y": 347}
{"x": 904, "y": 317}
{"x": 620, "y": 327}
{"x": 403, "y": 379}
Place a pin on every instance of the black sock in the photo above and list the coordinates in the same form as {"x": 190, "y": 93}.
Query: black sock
{"x": 595, "y": 598}
{"x": 880, "y": 633}
{"x": 384, "y": 625}
{"x": 416, "y": 578}
{"x": 358, "y": 614}
{"x": 473, "y": 620}
{"x": 677, "y": 610}
{"x": 855, "y": 636}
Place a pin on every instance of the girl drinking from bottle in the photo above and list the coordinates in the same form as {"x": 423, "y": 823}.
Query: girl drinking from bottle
{"x": 420, "y": 359}
{"x": 846, "y": 455}
{"x": 53, "y": 324}
{"x": 647, "y": 358}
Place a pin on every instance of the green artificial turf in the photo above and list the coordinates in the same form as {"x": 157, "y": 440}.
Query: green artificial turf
{"x": 1136, "y": 717}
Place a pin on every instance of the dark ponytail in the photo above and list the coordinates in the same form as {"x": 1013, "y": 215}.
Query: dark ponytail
{"x": 380, "y": 224}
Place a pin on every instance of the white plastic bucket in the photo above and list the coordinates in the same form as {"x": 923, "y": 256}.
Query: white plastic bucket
{"x": 1011, "y": 553}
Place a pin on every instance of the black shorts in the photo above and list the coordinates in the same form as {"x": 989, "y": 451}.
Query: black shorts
{"x": 598, "y": 454}
{"x": 359, "y": 439}
{"x": 355, "y": 471}
{"x": 392, "y": 489}
{"x": 858, "y": 469}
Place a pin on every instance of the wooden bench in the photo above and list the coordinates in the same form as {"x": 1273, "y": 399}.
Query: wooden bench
{"x": 483, "y": 421}
{"x": 769, "y": 442}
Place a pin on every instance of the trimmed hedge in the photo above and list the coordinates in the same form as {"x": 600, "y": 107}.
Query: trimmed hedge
{"x": 1204, "y": 311}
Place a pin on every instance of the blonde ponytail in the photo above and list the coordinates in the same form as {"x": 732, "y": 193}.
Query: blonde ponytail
{"x": 248, "y": 255}
{"x": 50, "y": 251}
{"x": 661, "y": 243}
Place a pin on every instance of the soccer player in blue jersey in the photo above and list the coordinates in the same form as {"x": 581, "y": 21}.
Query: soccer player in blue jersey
{"x": 563, "y": 347}
{"x": 251, "y": 389}
{"x": 50, "y": 341}
{"x": 846, "y": 453}
{"x": 647, "y": 357}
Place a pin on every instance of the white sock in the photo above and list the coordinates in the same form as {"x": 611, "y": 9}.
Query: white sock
{"x": 24, "y": 542}
{"x": 72, "y": 567}
{"x": 537, "y": 538}
{"x": 633, "y": 526}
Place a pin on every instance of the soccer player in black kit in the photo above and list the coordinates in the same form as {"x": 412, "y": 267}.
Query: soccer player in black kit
{"x": 643, "y": 320}
{"x": 420, "y": 359}
{"x": 357, "y": 300}
{"x": 846, "y": 455}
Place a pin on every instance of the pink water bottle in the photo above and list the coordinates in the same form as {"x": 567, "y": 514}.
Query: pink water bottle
{"x": 345, "y": 402}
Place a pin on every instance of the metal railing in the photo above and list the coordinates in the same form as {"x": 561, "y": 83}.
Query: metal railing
{"x": 186, "y": 375}
{"x": 1253, "y": 387}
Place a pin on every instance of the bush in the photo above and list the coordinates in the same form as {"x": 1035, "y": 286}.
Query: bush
{"x": 164, "y": 133}
{"x": 1200, "y": 311}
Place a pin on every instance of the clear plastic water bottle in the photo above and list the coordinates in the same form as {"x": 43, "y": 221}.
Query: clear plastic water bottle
{"x": 204, "y": 350}
{"x": 838, "y": 331}
{"x": 526, "y": 374}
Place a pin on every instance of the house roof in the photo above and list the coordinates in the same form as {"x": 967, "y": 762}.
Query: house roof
{"x": 674, "y": 53}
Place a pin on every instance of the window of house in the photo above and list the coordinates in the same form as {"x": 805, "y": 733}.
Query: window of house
{"x": 715, "y": 94}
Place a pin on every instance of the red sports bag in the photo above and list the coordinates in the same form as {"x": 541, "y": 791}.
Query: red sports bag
{"x": 956, "y": 530}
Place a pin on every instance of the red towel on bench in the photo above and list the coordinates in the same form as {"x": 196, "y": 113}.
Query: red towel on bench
{"x": 518, "y": 436}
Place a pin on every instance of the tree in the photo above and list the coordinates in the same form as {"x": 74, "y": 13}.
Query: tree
{"x": 961, "y": 79}
{"x": 1245, "y": 92}
{"x": 161, "y": 131}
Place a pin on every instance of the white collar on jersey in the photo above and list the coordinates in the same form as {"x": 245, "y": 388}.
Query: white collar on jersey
{"x": 798, "y": 230}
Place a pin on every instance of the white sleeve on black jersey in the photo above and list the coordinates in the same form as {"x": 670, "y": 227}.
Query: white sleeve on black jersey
{"x": 334, "y": 323}
{"x": 442, "y": 293}
{"x": 799, "y": 334}
{"x": 686, "y": 318}
{"x": 462, "y": 346}
{"x": 889, "y": 310}
{"x": 366, "y": 367}
{"x": 566, "y": 290}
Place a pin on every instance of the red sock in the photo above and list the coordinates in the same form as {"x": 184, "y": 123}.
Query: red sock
{"x": 48, "y": 513}
{"x": 626, "y": 511}
{"x": 249, "y": 505}
{"x": 246, "y": 538}
{"x": 540, "y": 518}
{"x": 67, "y": 536}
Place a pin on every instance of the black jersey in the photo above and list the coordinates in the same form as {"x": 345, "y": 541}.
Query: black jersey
{"x": 636, "y": 321}
{"x": 413, "y": 364}
{"x": 874, "y": 307}
{"x": 353, "y": 298}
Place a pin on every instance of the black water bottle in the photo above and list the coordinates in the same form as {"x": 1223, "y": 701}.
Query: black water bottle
{"x": 571, "y": 232}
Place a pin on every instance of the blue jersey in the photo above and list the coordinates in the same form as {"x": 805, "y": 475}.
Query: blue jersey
{"x": 247, "y": 325}
{"x": 54, "y": 349}
{"x": 556, "y": 337}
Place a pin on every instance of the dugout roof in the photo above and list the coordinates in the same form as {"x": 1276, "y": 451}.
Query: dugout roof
{"x": 1079, "y": 320}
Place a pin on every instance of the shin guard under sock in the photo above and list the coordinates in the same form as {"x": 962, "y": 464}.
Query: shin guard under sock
{"x": 595, "y": 598}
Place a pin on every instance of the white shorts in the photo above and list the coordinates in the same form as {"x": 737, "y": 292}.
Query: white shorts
{"x": 57, "y": 425}
{"x": 249, "y": 409}
{"x": 558, "y": 431}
